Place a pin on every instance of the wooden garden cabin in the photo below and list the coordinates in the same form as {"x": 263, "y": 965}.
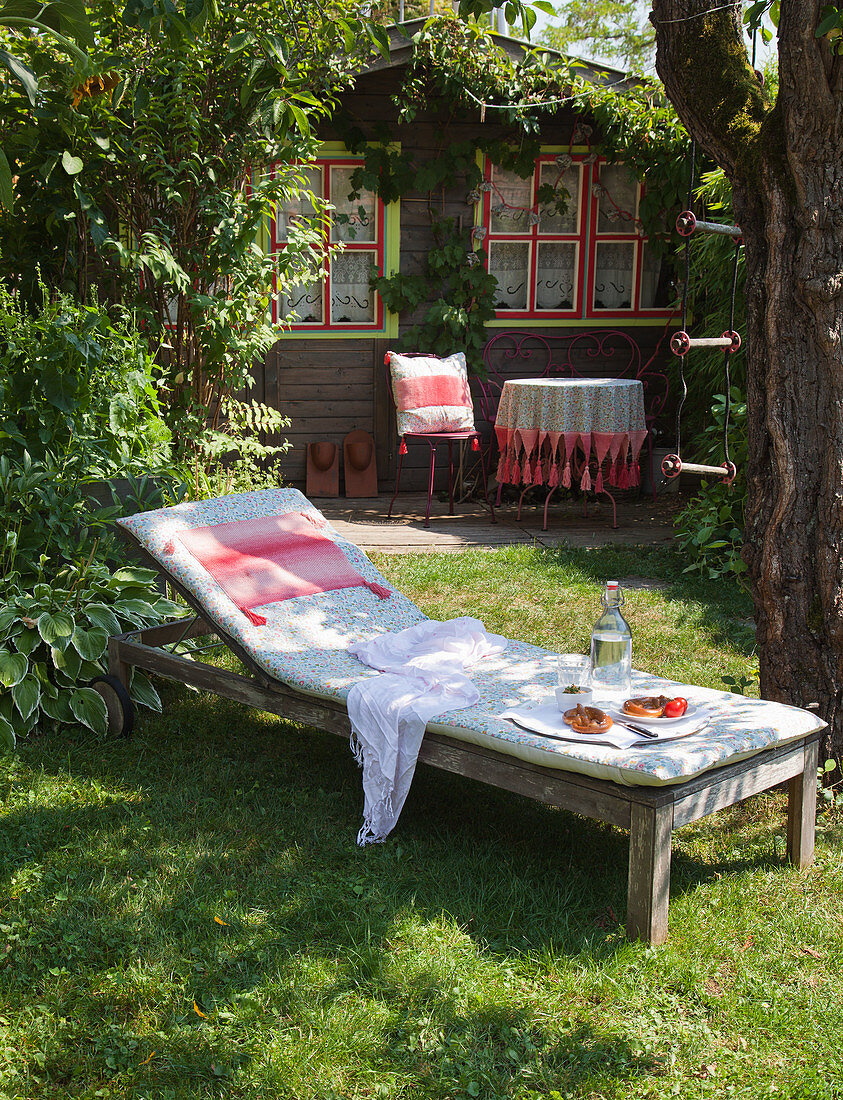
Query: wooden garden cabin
{"x": 586, "y": 271}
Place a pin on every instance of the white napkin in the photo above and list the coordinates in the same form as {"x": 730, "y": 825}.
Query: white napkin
{"x": 546, "y": 719}
{"x": 423, "y": 674}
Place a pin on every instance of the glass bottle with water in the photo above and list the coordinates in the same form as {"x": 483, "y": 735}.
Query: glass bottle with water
{"x": 611, "y": 649}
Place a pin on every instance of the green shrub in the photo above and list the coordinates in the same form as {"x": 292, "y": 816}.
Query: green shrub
{"x": 60, "y": 599}
{"x": 53, "y": 642}
{"x": 79, "y": 382}
{"x": 710, "y": 528}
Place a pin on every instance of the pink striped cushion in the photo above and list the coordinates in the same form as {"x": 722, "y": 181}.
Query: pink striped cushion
{"x": 267, "y": 559}
{"x": 431, "y": 395}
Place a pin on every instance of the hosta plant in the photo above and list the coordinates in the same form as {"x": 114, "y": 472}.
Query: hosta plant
{"x": 54, "y": 641}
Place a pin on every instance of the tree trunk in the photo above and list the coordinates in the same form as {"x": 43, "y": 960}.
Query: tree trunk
{"x": 785, "y": 164}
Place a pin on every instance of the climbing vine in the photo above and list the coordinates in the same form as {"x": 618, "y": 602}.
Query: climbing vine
{"x": 460, "y": 64}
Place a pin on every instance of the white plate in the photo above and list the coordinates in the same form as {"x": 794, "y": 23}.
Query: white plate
{"x": 622, "y": 716}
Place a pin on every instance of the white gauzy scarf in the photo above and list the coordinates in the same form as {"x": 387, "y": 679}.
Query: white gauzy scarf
{"x": 422, "y": 675}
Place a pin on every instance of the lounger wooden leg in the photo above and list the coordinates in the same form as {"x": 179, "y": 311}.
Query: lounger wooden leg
{"x": 802, "y": 810}
{"x": 649, "y": 872}
{"x": 116, "y": 667}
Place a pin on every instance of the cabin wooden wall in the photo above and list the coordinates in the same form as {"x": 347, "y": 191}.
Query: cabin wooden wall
{"x": 327, "y": 387}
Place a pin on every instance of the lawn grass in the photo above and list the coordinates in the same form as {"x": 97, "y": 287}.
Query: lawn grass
{"x": 186, "y": 914}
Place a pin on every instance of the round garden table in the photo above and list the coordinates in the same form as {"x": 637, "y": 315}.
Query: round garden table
{"x": 562, "y": 431}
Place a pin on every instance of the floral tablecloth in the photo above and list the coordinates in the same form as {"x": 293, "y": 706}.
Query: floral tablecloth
{"x": 550, "y": 430}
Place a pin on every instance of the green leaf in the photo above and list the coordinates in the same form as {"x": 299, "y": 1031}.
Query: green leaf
{"x": 7, "y": 617}
{"x": 832, "y": 18}
{"x": 71, "y": 164}
{"x": 301, "y": 119}
{"x": 89, "y": 708}
{"x": 58, "y": 707}
{"x": 13, "y": 668}
{"x": 7, "y": 195}
{"x": 68, "y": 661}
{"x": 26, "y": 695}
{"x": 143, "y": 692}
{"x": 137, "y": 610}
{"x": 27, "y": 640}
{"x": 74, "y": 21}
{"x": 22, "y": 72}
{"x": 102, "y": 616}
{"x": 56, "y": 629}
{"x": 132, "y": 575}
{"x": 7, "y": 736}
{"x": 90, "y": 644}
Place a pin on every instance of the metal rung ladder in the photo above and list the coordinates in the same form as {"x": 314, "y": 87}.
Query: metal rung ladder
{"x": 681, "y": 343}
{"x": 687, "y": 223}
{"x": 673, "y": 466}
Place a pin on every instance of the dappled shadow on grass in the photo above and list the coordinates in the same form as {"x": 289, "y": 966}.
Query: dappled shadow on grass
{"x": 113, "y": 894}
{"x": 721, "y": 608}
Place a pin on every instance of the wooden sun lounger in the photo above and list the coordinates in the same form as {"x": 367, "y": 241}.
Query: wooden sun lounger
{"x": 649, "y": 813}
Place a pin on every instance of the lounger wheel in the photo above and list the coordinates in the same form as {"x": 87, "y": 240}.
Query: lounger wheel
{"x": 121, "y": 709}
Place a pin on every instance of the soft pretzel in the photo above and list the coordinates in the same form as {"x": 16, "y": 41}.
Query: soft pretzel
{"x": 646, "y": 706}
{"x": 587, "y": 719}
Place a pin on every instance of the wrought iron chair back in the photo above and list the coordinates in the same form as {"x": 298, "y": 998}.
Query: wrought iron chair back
{"x": 605, "y": 353}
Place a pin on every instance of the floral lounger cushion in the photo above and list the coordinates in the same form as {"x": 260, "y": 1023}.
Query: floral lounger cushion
{"x": 304, "y": 641}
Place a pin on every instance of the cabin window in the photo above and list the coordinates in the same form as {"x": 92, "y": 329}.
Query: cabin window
{"x": 566, "y": 243}
{"x": 340, "y": 298}
{"x": 535, "y": 237}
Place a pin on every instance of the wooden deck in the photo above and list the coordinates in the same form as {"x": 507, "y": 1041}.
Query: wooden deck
{"x": 641, "y": 522}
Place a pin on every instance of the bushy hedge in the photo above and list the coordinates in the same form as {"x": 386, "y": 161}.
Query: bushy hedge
{"x": 78, "y": 389}
{"x": 79, "y": 401}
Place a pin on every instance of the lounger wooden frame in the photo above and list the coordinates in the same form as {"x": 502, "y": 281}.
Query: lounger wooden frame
{"x": 649, "y": 813}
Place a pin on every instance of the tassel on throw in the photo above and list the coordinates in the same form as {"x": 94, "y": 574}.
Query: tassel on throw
{"x": 402, "y": 450}
{"x": 253, "y": 617}
{"x": 585, "y": 484}
{"x": 475, "y": 444}
{"x": 378, "y": 590}
{"x": 566, "y": 476}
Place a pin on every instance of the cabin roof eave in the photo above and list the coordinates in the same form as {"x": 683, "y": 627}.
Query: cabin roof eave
{"x": 401, "y": 49}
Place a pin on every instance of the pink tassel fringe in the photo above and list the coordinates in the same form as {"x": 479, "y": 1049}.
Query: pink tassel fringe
{"x": 378, "y": 589}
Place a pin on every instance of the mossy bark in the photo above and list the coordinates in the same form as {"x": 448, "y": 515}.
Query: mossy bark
{"x": 785, "y": 164}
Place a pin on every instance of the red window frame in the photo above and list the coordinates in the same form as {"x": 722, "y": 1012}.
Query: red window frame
{"x": 376, "y": 247}
{"x": 587, "y": 239}
{"x": 534, "y": 237}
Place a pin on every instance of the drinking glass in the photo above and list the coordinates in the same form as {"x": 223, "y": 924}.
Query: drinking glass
{"x": 574, "y": 670}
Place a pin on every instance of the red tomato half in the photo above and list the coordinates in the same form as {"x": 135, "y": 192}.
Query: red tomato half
{"x": 676, "y": 707}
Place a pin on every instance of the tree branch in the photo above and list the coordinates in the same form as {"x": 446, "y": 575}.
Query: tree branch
{"x": 702, "y": 60}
